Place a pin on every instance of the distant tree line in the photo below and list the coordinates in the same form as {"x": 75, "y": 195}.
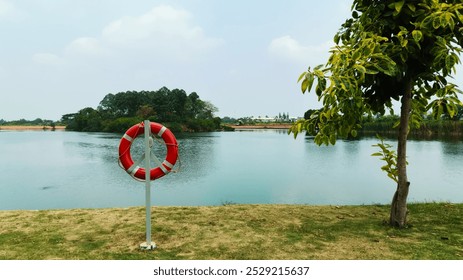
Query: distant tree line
{"x": 174, "y": 108}
{"x": 36, "y": 122}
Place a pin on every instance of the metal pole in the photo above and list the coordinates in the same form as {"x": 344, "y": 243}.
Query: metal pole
{"x": 148, "y": 245}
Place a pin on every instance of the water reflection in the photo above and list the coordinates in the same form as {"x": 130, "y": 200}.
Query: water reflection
{"x": 196, "y": 155}
{"x": 42, "y": 170}
{"x": 454, "y": 148}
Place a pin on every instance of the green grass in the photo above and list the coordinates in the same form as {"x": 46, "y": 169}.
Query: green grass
{"x": 435, "y": 231}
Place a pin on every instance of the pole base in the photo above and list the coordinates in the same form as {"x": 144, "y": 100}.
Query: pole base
{"x": 146, "y": 246}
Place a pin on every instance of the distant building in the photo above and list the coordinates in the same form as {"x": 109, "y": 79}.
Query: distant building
{"x": 265, "y": 119}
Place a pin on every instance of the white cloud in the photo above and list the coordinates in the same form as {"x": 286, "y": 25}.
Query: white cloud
{"x": 86, "y": 46}
{"x": 47, "y": 58}
{"x": 9, "y": 11}
{"x": 161, "y": 21}
{"x": 162, "y": 28}
{"x": 5, "y": 7}
{"x": 163, "y": 32}
{"x": 287, "y": 48}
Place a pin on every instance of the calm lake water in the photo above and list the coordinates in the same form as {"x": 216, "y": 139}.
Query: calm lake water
{"x": 58, "y": 169}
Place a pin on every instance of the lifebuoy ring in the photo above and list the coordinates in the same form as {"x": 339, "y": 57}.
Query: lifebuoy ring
{"x": 125, "y": 158}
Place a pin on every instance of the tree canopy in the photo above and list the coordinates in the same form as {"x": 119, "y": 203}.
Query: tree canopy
{"x": 388, "y": 50}
{"x": 116, "y": 112}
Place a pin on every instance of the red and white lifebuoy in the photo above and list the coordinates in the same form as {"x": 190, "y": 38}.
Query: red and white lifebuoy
{"x": 125, "y": 158}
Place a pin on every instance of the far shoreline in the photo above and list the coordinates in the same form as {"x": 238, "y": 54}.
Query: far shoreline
{"x": 31, "y": 127}
{"x": 262, "y": 126}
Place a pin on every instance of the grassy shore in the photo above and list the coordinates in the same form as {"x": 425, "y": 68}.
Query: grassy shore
{"x": 234, "y": 232}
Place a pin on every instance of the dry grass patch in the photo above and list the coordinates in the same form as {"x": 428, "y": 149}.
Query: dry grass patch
{"x": 234, "y": 232}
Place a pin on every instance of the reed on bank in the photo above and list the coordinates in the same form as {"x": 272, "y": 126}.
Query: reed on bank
{"x": 428, "y": 129}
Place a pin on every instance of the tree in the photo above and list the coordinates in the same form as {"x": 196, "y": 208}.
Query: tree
{"x": 87, "y": 119}
{"x": 193, "y": 105}
{"x": 107, "y": 106}
{"x": 177, "y": 102}
{"x": 116, "y": 111}
{"x": 145, "y": 111}
{"x": 206, "y": 110}
{"x": 388, "y": 49}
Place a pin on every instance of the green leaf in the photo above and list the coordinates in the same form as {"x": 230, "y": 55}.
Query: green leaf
{"x": 398, "y": 6}
{"x": 301, "y": 76}
{"x": 446, "y": 19}
{"x": 319, "y": 73}
{"x": 336, "y": 38}
{"x": 311, "y": 79}
{"x": 440, "y": 110}
{"x": 332, "y": 139}
{"x": 404, "y": 43}
{"x": 371, "y": 71}
{"x": 356, "y": 55}
{"x": 436, "y": 22}
{"x": 360, "y": 68}
{"x": 318, "y": 67}
{"x": 460, "y": 16}
{"x": 411, "y": 7}
{"x": 451, "y": 109}
{"x": 321, "y": 86}
{"x": 304, "y": 85}
{"x": 390, "y": 157}
{"x": 450, "y": 62}
{"x": 417, "y": 35}
{"x": 393, "y": 177}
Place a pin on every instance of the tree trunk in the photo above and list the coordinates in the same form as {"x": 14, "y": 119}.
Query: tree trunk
{"x": 399, "y": 210}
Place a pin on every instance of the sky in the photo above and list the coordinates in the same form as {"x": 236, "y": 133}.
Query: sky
{"x": 60, "y": 56}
